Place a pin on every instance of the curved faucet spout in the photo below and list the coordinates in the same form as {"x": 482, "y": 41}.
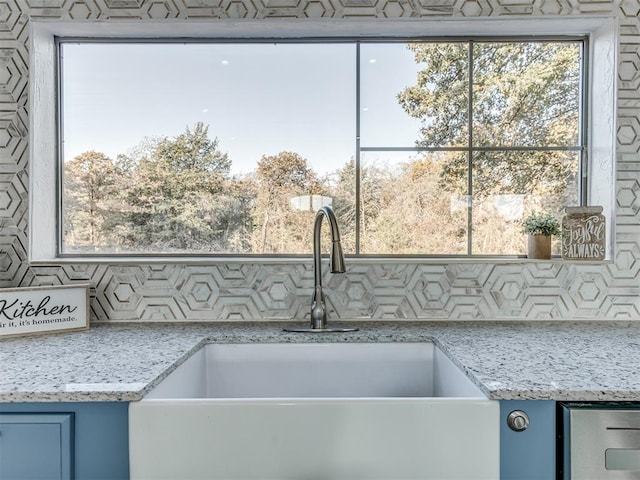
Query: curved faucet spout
{"x": 336, "y": 261}
{"x": 336, "y": 258}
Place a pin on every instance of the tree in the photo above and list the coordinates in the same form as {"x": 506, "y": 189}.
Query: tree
{"x": 525, "y": 94}
{"x": 193, "y": 152}
{"x": 412, "y": 215}
{"x": 378, "y": 184}
{"x": 281, "y": 228}
{"x": 91, "y": 182}
{"x": 180, "y": 196}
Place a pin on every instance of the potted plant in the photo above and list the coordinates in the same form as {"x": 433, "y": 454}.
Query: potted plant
{"x": 540, "y": 227}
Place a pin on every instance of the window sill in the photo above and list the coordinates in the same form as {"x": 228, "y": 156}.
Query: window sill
{"x": 305, "y": 259}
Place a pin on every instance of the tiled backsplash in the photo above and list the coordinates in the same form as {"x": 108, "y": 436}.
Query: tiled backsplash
{"x": 263, "y": 292}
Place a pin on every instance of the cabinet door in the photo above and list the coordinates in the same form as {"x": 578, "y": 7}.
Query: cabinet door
{"x": 529, "y": 454}
{"x": 35, "y": 446}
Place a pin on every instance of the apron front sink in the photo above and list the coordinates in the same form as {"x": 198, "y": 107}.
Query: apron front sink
{"x": 316, "y": 411}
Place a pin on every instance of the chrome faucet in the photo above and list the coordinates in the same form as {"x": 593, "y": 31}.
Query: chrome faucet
{"x": 336, "y": 261}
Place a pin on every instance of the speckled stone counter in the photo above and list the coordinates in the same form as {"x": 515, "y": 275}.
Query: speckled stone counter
{"x": 560, "y": 360}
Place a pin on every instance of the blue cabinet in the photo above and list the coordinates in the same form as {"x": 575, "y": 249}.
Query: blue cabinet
{"x": 36, "y": 446}
{"x": 529, "y": 454}
{"x": 89, "y": 440}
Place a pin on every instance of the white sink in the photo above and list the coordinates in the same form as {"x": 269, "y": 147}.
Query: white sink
{"x": 317, "y": 370}
{"x": 315, "y": 412}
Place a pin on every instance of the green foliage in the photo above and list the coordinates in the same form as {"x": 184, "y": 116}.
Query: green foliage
{"x": 541, "y": 224}
{"x": 287, "y": 172}
{"x": 91, "y": 195}
{"x": 403, "y": 210}
{"x": 525, "y": 94}
{"x": 278, "y": 227}
{"x": 178, "y": 194}
{"x": 441, "y": 94}
{"x": 170, "y": 194}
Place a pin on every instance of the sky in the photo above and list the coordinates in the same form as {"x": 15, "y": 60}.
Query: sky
{"x": 258, "y": 99}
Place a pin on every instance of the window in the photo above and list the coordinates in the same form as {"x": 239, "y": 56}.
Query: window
{"x": 598, "y": 133}
{"x": 422, "y": 147}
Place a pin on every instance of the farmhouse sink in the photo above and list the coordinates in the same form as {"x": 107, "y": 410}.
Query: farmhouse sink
{"x": 317, "y": 370}
{"x": 315, "y": 411}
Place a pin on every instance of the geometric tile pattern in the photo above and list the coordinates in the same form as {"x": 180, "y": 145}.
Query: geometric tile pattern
{"x": 378, "y": 291}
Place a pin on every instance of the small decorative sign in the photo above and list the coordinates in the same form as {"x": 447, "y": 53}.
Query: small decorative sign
{"x": 583, "y": 234}
{"x": 30, "y": 310}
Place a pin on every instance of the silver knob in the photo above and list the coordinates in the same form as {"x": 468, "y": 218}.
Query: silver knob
{"x": 518, "y": 421}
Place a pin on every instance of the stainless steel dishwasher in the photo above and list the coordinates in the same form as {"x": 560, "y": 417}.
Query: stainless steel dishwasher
{"x": 600, "y": 442}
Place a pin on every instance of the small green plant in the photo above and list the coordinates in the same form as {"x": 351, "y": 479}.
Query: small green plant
{"x": 541, "y": 224}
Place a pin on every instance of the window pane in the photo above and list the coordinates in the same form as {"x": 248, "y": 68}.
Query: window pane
{"x": 526, "y": 94}
{"x": 508, "y": 186}
{"x": 408, "y": 207}
{"x": 438, "y": 95}
{"x": 201, "y": 148}
{"x": 205, "y": 148}
{"x": 386, "y": 70}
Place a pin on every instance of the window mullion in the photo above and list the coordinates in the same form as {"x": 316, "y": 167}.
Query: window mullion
{"x": 470, "y": 152}
{"x": 357, "y": 159}
{"x": 584, "y": 130}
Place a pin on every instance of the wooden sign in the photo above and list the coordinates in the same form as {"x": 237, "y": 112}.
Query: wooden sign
{"x": 583, "y": 234}
{"x": 31, "y": 310}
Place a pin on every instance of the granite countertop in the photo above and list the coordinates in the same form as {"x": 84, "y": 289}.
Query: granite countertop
{"x": 559, "y": 360}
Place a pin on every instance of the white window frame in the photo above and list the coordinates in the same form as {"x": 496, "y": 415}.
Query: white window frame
{"x": 43, "y": 192}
